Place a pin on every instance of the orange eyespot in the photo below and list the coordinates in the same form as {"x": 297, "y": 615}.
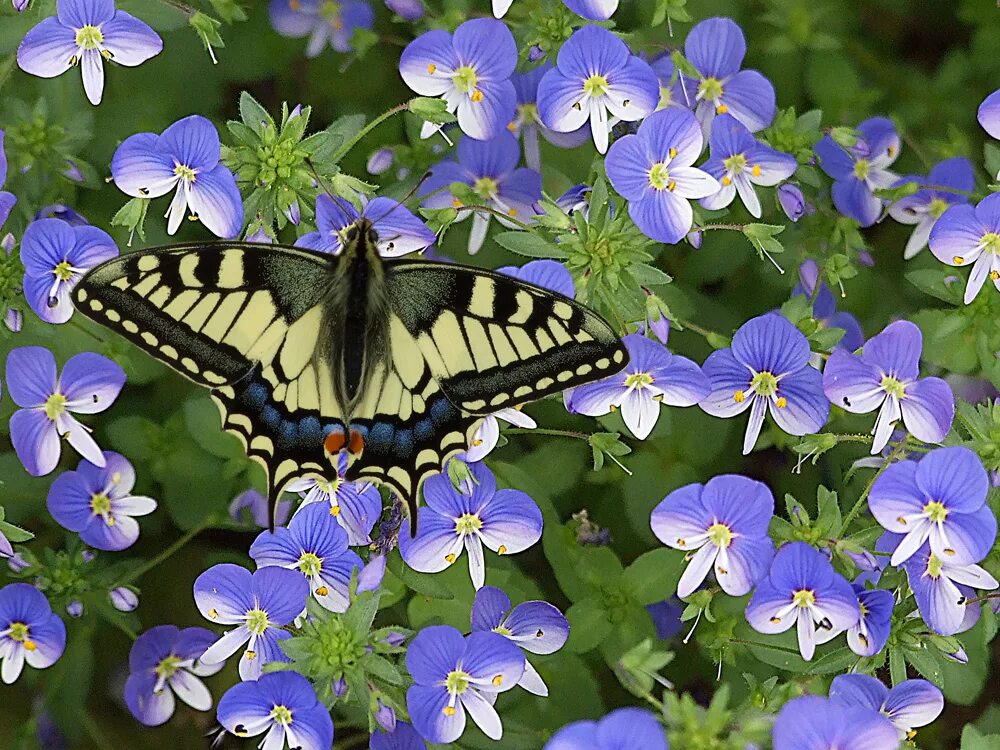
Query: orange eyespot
{"x": 334, "y": 442}
{"x": 356, "y": 443}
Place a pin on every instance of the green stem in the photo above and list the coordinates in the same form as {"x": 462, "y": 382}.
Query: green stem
{"x": 854, "y": 438}
{"x": 184, "y": 8}
{"x": 859, "y": 505}
{"x": 501, "y": 214}
{"x": 166, "y": 554}
{"x": 709, "y": 227}
{"x": 343, "y": 150}
{"x": 546, "y": 431}
{"x": 6, "y": 68}
{"x": 773, "y": 647}
{"x": 706, "y": 334}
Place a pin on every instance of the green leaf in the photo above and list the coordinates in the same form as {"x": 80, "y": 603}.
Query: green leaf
{"x": 15, "y": 534}
{"x": 653, "y": 576}
{"x": 207, "y": 29}
{"x": 588, "y": 625}
{"x": 762, "y": 237}
{"x": 530, "y": 245}
{"x": 932, "y": 281}
{"x": 973, "y": 739}
{"x": 384, "y": 670}
{"x": 991, "y": 156}
{"x": 431, "y": 109}
{"x": 837, "y": 661}
{"x": 647, "y": 275}
{"x": 927, "y": 661}
{"x": 897, "y": 665}
{"x": 830, "y": 520}
{"x": 422, "y": 583}
{"x": 132, "y": 216}
{"x": 253, "y": 114}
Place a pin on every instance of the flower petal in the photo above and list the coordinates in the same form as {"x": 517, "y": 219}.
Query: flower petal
{"x": 538, "y": 627}
{"x": 806, "y": 407}
{"x": 216, "y": 201}
{"x": 194, "y": 142}
{"x": 954, "y": 476}
{"x": 222, "y": 593}
{"x": 487, "y": 117}
{"x": 433, "y": 653}
{"x": 31, "y": 375}
{"x": 90, "y": 383}
{"x": 486, "y": 45}
{"x": 895, "y": 494}
{"x": 633, "y": 91}
{"x": 427, "y": 63}
{"x": 191, "y": 690}
{"x": 427, "y": 712}
{"x": 47, "y": 49}
{"x": 35, "y": 440}
{"x": 763, "y": 610}
{"x": 628, "y": 165}
{"x": 489, "y": 608}
{"x": 769, "y": 343}
{"x": 148, "y": 707}
{"x": 140, "y": 168}
{"x": 492, "y": 660}
{"x": 662, "y": 215}
{"x": 716, "y": 47}
{"x": 130, "y": 41}
{"x": 559, "y": 100}
{"x": 512, "y": 520}
{"x": 750, "y": 98}
{"x": 483, "y": 714}
{"x": 928, "y": 409}
{"x": 727, "y": 377}
{"x": 914, "y": 703}
{"x": 855, "y": 200}
{"x": 851, "y": 383}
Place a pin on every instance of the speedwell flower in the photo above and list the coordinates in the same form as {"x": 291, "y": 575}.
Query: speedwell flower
{"x": 595, "y": 73}
{"x": 89, "y": 384}
{"x": 593, "y": 10}
{"x": 164, "y": 662}
{"x": 86, "y": 33}
{"x": 825, "y": 306}
{"x": 98, "y": 504}
{"x": 944, "y": 589}
{"x": 767, "y": 369}
{"x": 722, "y": 525}
{"x": 527, "y": 123}
{"x": 7, "y": 200}
{"x": 654, "y": 376}
{"x": 739, "y": 161}
{"x": 884, "y": 377}
{"x": 470, "y": 70}
{"x": 453, "y": 675}
{"x": 355, "y": 505}
{"x": 814, "y": 723}
{"x": 251, "y": 507}
{"x": 29, "y": 631}
{"x": 399, "y": 231}
{"x": 862, "y": 168}
{"x": 284, "y": 705}
{"x": 910, "y": 704}
{"x": 185, "y": 158}
{"x": 802, "y": 589}
{"x": 622, "y": 728}
{"x": 402, "y": 737}
{"x": 537, "y": 627}
{"x": 941, "y": 498}
{"x": 477, "y": 514}
{"x": 871, "y": 632}
{"x": 941, "y": 189}
{"x": 260, "y": 604}
{"x": 971, "y": 236}
{"x": 652, "y": 170}
{"x": 989, "y": 114}
{"x": 322, "y": 21}
{"x": 55, "y": 256}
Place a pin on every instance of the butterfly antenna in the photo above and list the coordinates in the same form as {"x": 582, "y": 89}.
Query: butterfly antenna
{"x": 405, "y": 199}
{"x": 345, "y": 206}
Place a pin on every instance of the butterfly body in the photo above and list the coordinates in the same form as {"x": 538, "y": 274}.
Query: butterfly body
{"x": 310, "y": 354}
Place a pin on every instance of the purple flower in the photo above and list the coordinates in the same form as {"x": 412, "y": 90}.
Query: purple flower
{"x": 537, "y": 627}
{"x": 380, "y": 161}
{"x": 767, "y": 369}
{"x": 965, "y": 235}
{"x": 884, "y": 377}
{"x": 726, "y": 521}
{"x": 259, "y": 604}
{"x": 98, "y": 504}
{"x": 488, "y": 434}
{"x": 859, "y": 170}
{"x": 409, "y": 10}
{"x": 453, "y": 675}
{"x": 323, "y": 22}
{"x": 7, "y": 200}
{"x": 802, "y": 589}
{"x": 55, "y": 256}
{"x": 926, "y": 206}
{"x": 792, "y": 202}
{"x": 29, "y": 631}
{"x": 527, "y": 123}
{"x": 355, "y": 505}
{"x": 403, "y": 737}
{"x": 284, "y": 705}
{"x": 399, "y": 231}
{"x": 825, "y": 306}
{"x": 75, "y": 608}
{"x": 620, "y": 729}
{"x": 814, "y": 723}
{"x": 89, "y": 384}
{"x": 593, "y": 10}
{"x": 316, "y": 546}
{"x": 86, "y": 33}
{"x": 989, "y": 114}
{"x": 716, "y": 47}
{"x": 652, "y": 171}
{"x": 20, "y": 5}
{"x": 941, "y": 498}
{"x": 470, "y": 70}
{"x": 62, "y": 212}
{"x": 672, "y": 87}
{"x": 595, "y": 73}
{"x": 477, "y": 514}
{"x": 123, "y": 599}
{"x": 738, "y": 161}
{"x": 490, "y": 169}
{"x": 654, "y": 376}
{"x": 911, "y": 703}
{"x": 165, "y": 662}
{"x": 871, "y": 632}
{"x": 250, "y": 506}
{"x": 185, "y": 158}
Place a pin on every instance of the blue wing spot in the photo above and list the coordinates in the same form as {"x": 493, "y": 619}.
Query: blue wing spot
{"x": 287, "y": 438}
{"x": 309, "y": 431}
{"x": 380, "y": 433}
{"x": 424, "y": 429}
{"x": 404, "y": 443}
{"x": 442, "y": 411}
{"x": 256, "y": 395}
{"x": 270, "y": 416}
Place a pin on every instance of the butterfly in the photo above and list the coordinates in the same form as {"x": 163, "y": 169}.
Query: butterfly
{"x": 309, "y": 355}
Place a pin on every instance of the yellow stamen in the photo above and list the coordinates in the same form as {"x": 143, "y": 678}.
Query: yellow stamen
{"x": 721, "y": 109}
{"x": 431, "y": 67}
{"x": 477, "y": 96}
{"x": 498, "y": 680}
{"x": 755, "y": 170}
{"x": 739, "y": 397}
{"x": 448, "y": 710}
{"x": 502, "y": 549}
{"x": 450, "y": 557}
{"x": 781, "y": 403}
{"x": 958, "y": 260}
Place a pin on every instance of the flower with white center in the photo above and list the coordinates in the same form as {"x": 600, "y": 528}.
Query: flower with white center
{"x": 282, "y": 704}
{"x": 29, "y": 631}
{"x": 967, "y": 236}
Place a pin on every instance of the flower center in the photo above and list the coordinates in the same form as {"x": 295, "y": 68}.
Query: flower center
{"x": 638, "y": 380}
{"x": 329, "y": 11}
{"x": 457, "y": 681}
{"x": 282, "y": 715}
{"x": 257, "y": 621}
{"x": 666, "y": 97}
{"x": 735, "y": 163}
{"x": 659, "y": 177}
{"x": 167, "y": 667}
{"x": 89, "y": 37}
{"x": 991, "y": 242}
{"x": 711, "y": 89}
{"x": 468, "y": 523}
{"x": 934, "y": 566}
{"x": 803, "y": 598}
{"x": 310, "y": 564}
{"x": 764, "y": 383}
{"x": 527, "y": 113}
{"x": 100, "y": 504}
{"x": 63, "y": 271}
{"x": 892, "y": 386}
{"x": 937, "y": 207}
{"x": 502, "y": 630}
{"x": 185, "y": 172}
{"x": 18, "y": 631}
{"x": 595, "y": 86}
{"x": 55, "y": 405}
{"x": 861, "y": 169}
{"x": 720, "y": 535}
{"x": 465, "y": 79}
{"x": 936, "y": 511}
{"x": 485, "y": 187}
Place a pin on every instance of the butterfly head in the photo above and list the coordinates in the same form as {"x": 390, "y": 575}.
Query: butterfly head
{"x": 361, "y": 237}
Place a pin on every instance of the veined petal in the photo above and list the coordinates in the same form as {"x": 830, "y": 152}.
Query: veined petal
{"x": 150, "y": 708}
{"x": 693, "y": 183}
{"x": 730, "y": 383}
{"x": 970, "y": 537}
{"x": 747, "y": 194}
{"x": 531, "y": 680}
{"x": 91, "y": 383}
{"x": 489, "y": 608}
{"x": 433, "y": 653}
{"x": 721, "y": 199}
{"x": 92, "y": 71}
{"x": 806, "y": 407}
{"x": 591, "y": 49}
{"x": 854, "y": 199}
{"x": 749, "y": 97}
{"x": 35, "y": 440}
{"x": 939, "y": 600}
{"x": 191, "y": 690}
{"x": 879, "y": 133}
{"x": 928, "y": 409}
{"x": 130, "y": 41}
{"x": 30, "y": 375}
{"x": 486, "y": 117}
{"x": 428, "y": 62}
{"x": 775, "y": 166}
{"x": 956, "y": 235}
{"x": 216, "y": 201}
{"x": 194, "y": 142}
{"x": 640, "y": 411}
{"x": 662, "y": 215}
{"x": 628, "y": 166}
{"x": 834, "y": 159}
{"x": 633, "y": 91}
{"x": 764, "y": 611}
{"x": 538, "y": 627}
{"x": 747, "y": 563}
{"x": 989, "y": 114}
{"x": 141, "y": 169}
{"x": 561, "y": 102}
{"x": 770, "y": 343}
{"x": 436, "y": 546}
{"x": 488, "y": 46}
{"x": 896, "y": 350}
{"x": 222, "y": 594}
{"x": 427, "y": 712}
{"x": 492, "y": 660}
{"x": 758, "y": 408}
{"x": 47, "y": 49}
{"x": 697, "y": 570}
{"x": 483, "y": 714}
{"x": 227, "y": 645}
{"x": 913, "y": 703}
{"x": 954, "y": 476}
{"x": 852, "y": 384}
{"x": 716, "y": 47}
{"x": 511, "y": 521}
{"x": 980, "y": 272}
{"x": 896, "y": 494}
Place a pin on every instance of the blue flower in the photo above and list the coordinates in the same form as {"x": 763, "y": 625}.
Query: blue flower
{"x": 380, "y": 161}
{"x": 652, "y": 171}
{"x": 403, "y": 737}
{"x": 767, "y": 369}
{"x": 595, "y": 73}
{"x": 825, "y": 307}
{"x": 259, "y": 604}
{"x": 470, "y": 70}
{"x": 859, "y": 170}
{"x": 910, "y": 704}
{"x": 970, "y": 236}
{"x": 673, "y": 92}
{"x": 726, "y": 521}
{"x": 123, "y": 599}
{"x": 98, "y": 504}
{"x": 55, "y": 256}
{"x": 622, "y": 728}
{"x": 814, "y": 723}
{"x": 62, "y": 212}
{"x": 537, "y": 627}
{"x": 322, "y": 21}
{"x": 989, "y": 114}
{"x": 593, "y": 10}
{"x": 884, "y": 377}
{"x": 506, "y": 521}
{"x": 284, "y": 705}
{"x": 527, "y": 123}
{"x": 251, "y": 506}
{"x": 453, "y": 675}
{"x": 738, "y": 161}
{"x": 399, "y": 231}
{"x": 926, "y": 206}
{"x": 716, "y": 48}
{"x": 791, "y": 200}
{"x": 185, "y": 158}
{"x": 802, "y": 589}
{"x": 355, "y": 505}
{"x": 89, "y": 384}
{"x": 316, "y": 546}
{"x": 29, "y": 631}
{"x": 7, "y": 200}
{"x": 165, "y": 662}
{"x": 409, "y": 10}
{"x": 871, "y": 633}
{"x": 86, "y": 33}
{"x": 490, "y": 169}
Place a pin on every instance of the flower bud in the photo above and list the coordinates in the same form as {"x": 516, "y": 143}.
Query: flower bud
{"x": 124, "y": 599}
